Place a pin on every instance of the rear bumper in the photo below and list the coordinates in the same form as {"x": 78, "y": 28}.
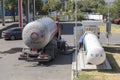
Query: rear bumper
{"x": 5, "y": 36}
{"x": 34, "y": 59}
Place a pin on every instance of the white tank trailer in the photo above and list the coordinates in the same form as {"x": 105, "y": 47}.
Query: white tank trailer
{"x": 40, "y": 38}
{"x": 38, "y": 34}
{"x": 94, "y": 51}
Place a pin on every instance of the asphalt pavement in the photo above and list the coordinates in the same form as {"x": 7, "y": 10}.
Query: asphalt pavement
{"x": 13, "y": 69}
{"x": 10, "y": 66}
{"x": 113, "y": 39}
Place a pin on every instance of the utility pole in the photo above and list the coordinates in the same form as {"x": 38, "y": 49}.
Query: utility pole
{"x": 65, "y": 4}
{"x": 3, "y": 12}
{"x": 108, "y": 24}
{"x": 20, "y": 13}
{"x": 33, "y": 10}
{"x": 27, "y": 11}
{"x": 76, "y": 46}
{"x": 76, "y": 13}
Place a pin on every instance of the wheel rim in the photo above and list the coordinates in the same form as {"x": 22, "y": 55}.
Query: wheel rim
{"x": 12, "y": 38}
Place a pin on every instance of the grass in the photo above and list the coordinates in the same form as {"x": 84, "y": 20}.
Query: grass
{"x": 114, "y": 28}
{"x": 113, "y": 56}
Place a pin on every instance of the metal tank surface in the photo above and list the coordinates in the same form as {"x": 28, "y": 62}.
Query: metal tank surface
{"x": 38, "y": 34}
{"x": 94, "y": 51}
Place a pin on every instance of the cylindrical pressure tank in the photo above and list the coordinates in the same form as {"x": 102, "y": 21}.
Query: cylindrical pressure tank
{"x": 38, "y": 34}
{"x": 94, "y": 51}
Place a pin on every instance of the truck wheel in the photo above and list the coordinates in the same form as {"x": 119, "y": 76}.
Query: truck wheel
{"x": 53, "y": 54}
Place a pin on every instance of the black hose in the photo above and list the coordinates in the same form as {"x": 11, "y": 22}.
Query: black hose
{"x": 68, "y": 50}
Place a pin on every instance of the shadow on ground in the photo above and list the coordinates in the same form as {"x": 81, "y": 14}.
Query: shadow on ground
{"x": 12, "y": 50}
{"x": 112, "y": 48}
{"x": 115, "y": 68}
{"x": 61, "y": 59}
{"x": 110, "y": 51}
{"x": 0, "y": 57}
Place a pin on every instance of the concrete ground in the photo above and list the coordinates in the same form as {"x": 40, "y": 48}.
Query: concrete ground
{"x": 13, "y": 69}
{"x": 114, "y": 39}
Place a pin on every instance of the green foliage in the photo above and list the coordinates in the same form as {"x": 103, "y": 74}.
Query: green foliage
{"x": 66, "y": 13}
{"x": 10, "y": 5}
{"x": 80, "y": 17}
{"x": 38, "y": 7}
{"x": 51, "y": 5}
{"x": 102, "y": 10}
{"x": 70, "y": 5}
{"x": 89, "y": 6}
{"x": 85, "y": 77}
{"x": 116, "y": 9}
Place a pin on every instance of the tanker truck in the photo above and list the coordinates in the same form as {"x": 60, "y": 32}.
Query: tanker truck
{"x": 43, "y": 39}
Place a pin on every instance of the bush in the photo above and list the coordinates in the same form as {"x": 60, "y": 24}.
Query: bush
{"x": 80, "y": 17}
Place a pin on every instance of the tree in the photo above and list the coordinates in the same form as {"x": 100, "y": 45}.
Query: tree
{"x": 52, "y": 5}
{"x": 102, "y": 7}
{"x": 39, "y": 6}
{"x": 90, "y": 6}
{"x": 11, "y": 5}
{"x": 116, "y": 9}
{"x": 70, "y": 5}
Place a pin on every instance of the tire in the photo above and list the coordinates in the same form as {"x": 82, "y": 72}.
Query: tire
{"x": 12, "y": 37}
{"x": 53, "y": 52}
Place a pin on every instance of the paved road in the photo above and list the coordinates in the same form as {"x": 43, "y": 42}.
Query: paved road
{"x": 114, "y": 38}
{"x": 13, "y": 69}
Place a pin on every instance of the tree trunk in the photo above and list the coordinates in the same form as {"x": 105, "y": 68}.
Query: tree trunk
{"x": 13, "y": 13}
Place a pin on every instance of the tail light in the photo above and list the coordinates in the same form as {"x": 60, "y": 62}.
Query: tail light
{"x": 44, "y": 56}
{"x": 4, "y": 33}
{"x": 34, "y": 51}
{"x": 23, "y": 55}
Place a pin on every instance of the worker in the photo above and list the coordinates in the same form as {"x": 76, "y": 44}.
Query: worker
{"x": 58, "y": 34}
{"x": 81, "y": 40}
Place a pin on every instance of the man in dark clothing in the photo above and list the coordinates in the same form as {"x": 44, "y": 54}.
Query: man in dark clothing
{"x": 81, "y": 41}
